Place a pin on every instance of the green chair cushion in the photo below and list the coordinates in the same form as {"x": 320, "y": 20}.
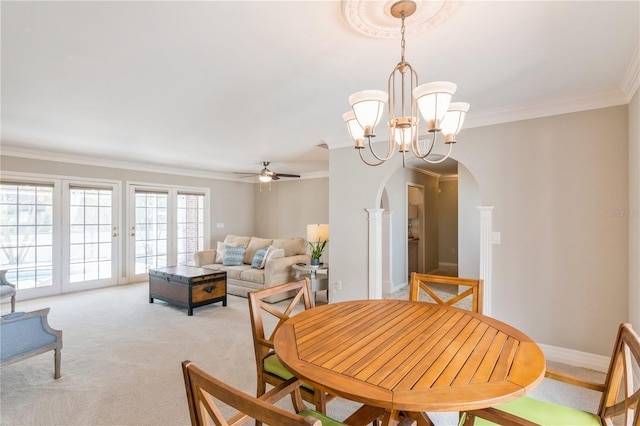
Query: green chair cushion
{"x": 543, "y": 413}
{"x": 326, "y": 421}
{"x": 273, "y": 365}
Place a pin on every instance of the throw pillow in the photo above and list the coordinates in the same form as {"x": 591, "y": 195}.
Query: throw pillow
{"x": 273, "y": 253}
{"x": 220, "y": 251}
{"x": 259, "y": 257}
{"x": 254, "y": 244}
{"x": 233, "y": 256}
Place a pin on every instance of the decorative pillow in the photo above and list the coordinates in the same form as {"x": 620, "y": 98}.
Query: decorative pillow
{"x": 273, "y": 253}
{"x": 254, "y": 245}
{"x": 259, "y": 258}
{"x": 220, "y": 251}
{"x": 233, "y": 256}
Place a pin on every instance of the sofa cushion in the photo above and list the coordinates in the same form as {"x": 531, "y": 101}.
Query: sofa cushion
{"x": 220, "y": 251}
{"x": 253, "y": 275}
{"x": 234, "y": 272}
{"x": 291, "y": 246}
{"x": 237, "y": 240}
{"x": 273, "y": 253}
{"x": 233, "y": 256}
{"x": 260, "y": 258}
{"x": 254, "y": 244}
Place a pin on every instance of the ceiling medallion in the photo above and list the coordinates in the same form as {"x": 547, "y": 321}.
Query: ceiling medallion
{"x": 367, "y": 17}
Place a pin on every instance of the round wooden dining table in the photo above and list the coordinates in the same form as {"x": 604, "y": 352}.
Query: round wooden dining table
{"x": 409, "y": 358}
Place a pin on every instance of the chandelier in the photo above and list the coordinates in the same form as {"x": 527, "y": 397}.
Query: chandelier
{"x": 406, "y": 98}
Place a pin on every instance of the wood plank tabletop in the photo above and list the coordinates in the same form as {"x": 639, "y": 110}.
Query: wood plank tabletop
{"x": 410, "y": 356}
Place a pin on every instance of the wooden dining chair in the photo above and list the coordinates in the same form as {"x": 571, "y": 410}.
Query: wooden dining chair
{"x": 203, "y": 390}
{"x": 619, "y": 396}
{"x": 465, "y": 287}
{"x": 269, "y": 368}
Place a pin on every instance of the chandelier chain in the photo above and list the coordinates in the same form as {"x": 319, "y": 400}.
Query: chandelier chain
{"x": 402, "y": 44}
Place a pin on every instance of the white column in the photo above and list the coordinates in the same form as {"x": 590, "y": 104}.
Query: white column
{"x": 486, "y": 226}
{"x": 375, "y": 253}
{"x": 387, "y": 253}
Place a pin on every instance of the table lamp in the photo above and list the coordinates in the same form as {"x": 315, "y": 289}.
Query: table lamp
{"x": 317, "y": 237}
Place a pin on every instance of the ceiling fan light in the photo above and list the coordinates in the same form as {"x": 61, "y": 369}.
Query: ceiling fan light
{"x": 264, "y": 178}
{"x": 433, "y": 101}
{"x": 454, "y": 119}
{"x": 367, "y": 108}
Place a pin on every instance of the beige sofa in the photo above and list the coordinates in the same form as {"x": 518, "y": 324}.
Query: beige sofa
{"x": 282, "y": 254}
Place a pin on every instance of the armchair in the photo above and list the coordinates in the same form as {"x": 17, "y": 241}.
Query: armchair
{"x": 7, "y": 289}
{"x": 27, "y": 334}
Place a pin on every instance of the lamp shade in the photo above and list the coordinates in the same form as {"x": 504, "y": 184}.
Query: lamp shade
{"x": 367, "y": 107}
{"x": 355, "y": 130}
{"x": 264, "y": 178}
{"x": 433, "y": 100}
{"x": 454, "y": 118}
{"x": 317, "y": 233}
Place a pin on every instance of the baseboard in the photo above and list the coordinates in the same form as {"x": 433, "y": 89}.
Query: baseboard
{"x": 576, "y": 358}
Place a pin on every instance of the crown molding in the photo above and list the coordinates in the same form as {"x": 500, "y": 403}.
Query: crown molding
{"x": 631, "y": 79}
{"x": 555, "y": 107}
{"x": 12, "y": 151}
{"x": 425, "y": 172}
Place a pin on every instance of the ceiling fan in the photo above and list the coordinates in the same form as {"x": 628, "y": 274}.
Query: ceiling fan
{"x": 267, "y": 175}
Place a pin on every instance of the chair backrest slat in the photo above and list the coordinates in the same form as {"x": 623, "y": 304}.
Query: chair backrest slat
{"x": 263, "y": 337}
{"x": 425, "y": 281}
{"x": 620, "y": 397}
{"x": 203, "y": 389}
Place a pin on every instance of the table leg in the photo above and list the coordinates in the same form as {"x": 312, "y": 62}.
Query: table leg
{"x": 421, "y": 418}
{"x": 364, "y": 415}
{"x": 391, "y": 418}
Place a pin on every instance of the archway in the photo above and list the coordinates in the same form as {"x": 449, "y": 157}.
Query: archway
{"x": 474, "y": 231}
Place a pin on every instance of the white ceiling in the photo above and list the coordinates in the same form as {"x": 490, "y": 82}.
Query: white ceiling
{"x": 218, "y": 87}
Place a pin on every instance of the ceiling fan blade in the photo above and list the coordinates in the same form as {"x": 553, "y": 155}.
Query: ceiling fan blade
{"x": 287, "y": 175}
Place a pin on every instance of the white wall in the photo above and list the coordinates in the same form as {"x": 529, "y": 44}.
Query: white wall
{"x": 287, "y": 209}
{"x": 468, "y": 224}
{"x": 551, "y": 181}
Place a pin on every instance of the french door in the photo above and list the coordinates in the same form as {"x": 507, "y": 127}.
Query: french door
{"x": 92, "y": 234}
{"x": 58, "y": 235}
{"x": 166, "y": 227}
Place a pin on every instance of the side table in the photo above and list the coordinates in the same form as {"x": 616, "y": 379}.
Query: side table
{"x": 318, "y": 275}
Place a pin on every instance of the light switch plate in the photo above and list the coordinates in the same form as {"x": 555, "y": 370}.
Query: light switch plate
{"x": 495, "y": 238}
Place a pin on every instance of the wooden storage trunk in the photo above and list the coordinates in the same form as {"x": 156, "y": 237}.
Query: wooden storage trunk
{"x": 188, "y": 286}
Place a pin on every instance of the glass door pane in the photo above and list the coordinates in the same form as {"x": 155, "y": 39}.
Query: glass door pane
{"x": 190, "y": 227}
{"x": 150, "y": 231}
{"x": 26, "y": 234}
{"x": 90, "y": 234}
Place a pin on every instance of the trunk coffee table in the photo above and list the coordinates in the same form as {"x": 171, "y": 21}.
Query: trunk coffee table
{"x": 187, "y": 286}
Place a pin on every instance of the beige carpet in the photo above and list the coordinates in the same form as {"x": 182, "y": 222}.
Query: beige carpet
{"x": 121, "y": 362}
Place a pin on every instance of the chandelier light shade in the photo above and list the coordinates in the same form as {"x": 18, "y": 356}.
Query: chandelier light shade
{"x": 408, "y": 104}
{"x": 356, "y": 131}
{"x": 368, "y": 106}
{"x": 453, "y": 121}
{"x": 433, "y": 102}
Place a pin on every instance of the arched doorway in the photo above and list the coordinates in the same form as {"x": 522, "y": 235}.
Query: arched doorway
{"x": 474, "y": 231}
